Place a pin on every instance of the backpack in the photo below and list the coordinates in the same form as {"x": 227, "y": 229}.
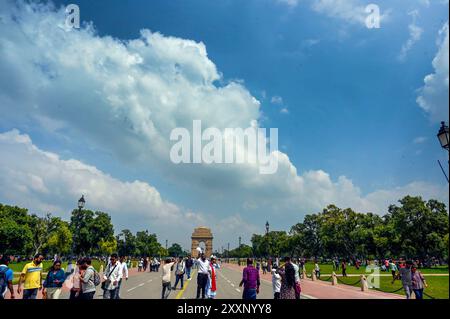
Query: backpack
{"x": 96, "y": 279}
{"x": 3, "y": 281}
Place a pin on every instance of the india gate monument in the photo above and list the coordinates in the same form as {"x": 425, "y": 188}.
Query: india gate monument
{"x": 202, "y": 235}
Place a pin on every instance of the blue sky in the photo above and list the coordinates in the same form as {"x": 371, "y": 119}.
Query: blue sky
{"x": 339, "y": 93}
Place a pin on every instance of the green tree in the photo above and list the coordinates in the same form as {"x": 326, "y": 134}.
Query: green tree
{"x": 43, "y": 229}
{"x": 80, "y": 223}
{"x": 418, "y": 227}
{"x": 101, "y": 230}
{"x": 126, "y": 243}
{"x": 15, "y": 233}
{"x": 60, "y": 240}
{"x": 175, "y": 250}
{"x": 107, "y": 247}
{"x": 147, "y": 244}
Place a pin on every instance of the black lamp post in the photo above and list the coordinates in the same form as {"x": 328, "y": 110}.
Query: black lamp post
{"x": 267, "y": 237}
{"x": 444, "y": 141}
{"x": 443, "y": 136}
{"x": 239, "y": 251}
{"x": 81, "y": 203}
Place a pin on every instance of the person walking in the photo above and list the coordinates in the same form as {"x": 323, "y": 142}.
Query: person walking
{"x": 406, "y": 278}
{"x": 166, "y": 278}
{"x": 250, "y": 281}
{"x": 264, "y": 267}
{"x": 6, "y": 278}
{"x": 189, "y": 263}
{"x": 145, "y": 264}
{"x": 158, "y": 263}
{"x": 394, "y": 269}
{"x": 54, "y": 281}
{"x": 211, "y": 287}
{"x": 73, "y": 281}
{"x": 123, "y": 271}
{"x": 180, "y": 267}
{"x": 276, "y": 283}
{"x": 111, "y": 278}
{"x": 87, "y": 278}
{"x": 418, "y": 282}
{"x": 344, "y": 268}
{"x": 297, "y": 280}
{"x": 317, "y": 270}
{"x": 287, "y": 273}
{"x": 31, "y": 277}
{"x": 202, "y": 276}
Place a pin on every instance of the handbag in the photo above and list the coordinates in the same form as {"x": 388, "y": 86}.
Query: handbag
{"x": 106, "y": 283}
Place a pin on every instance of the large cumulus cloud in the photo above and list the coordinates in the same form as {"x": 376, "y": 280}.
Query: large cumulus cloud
{"x": 124, "y": 97}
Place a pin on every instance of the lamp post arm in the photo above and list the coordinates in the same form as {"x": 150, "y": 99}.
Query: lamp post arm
{"x": 443, "y": 171}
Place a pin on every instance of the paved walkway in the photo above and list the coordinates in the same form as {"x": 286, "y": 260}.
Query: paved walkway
{"x": 325, "y": 290}
{"x": 145, "y": 285}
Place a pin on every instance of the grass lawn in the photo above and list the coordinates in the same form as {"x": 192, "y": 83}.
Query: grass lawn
{"x": 328, "y": 269}
{"x": 438, "y": 287}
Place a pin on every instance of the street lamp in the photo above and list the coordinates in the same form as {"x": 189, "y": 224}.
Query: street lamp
{"x": 239, "y": 251}
{"x": 81, "y": 203}
{"x": 444, "y": 141}
{"x": 443, "y": 136}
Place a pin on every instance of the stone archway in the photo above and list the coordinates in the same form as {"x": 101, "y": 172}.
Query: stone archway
{"x": 202, "y": 234}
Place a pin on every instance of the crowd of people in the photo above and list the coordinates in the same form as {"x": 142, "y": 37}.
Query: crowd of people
{"x": 82, "y": 278}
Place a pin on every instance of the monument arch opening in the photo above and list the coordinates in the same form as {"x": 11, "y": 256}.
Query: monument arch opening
{"x": 202, "y": 236}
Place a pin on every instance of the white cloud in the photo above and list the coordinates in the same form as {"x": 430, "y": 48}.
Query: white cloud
{"x": 415, "y": 34}
{"x": 284, "y": 110}
{"x": 433, "y": 96}
{"x": 278, "y": 100}
{"x": 351, "y": 11}
{"x": 420, "y": 140}
{"x": 289, "y": 3}
{"x": 44, "y": 182}
{"x": 124, "y": 98}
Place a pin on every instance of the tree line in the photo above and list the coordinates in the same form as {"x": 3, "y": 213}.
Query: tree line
{"x": 88, "y": 233}
{"x": 413, "y": 229}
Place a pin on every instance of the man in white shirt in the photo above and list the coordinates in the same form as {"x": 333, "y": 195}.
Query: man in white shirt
{"x": 123, "y": 271}
{"x": 202, "y": 277}
{"x": 111, "y": 278}
{"x": 276, "y": 283}
{"x": 166, "y": 278}
{"x": 297, "y": 279}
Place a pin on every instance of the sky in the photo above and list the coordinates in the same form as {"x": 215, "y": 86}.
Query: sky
{"x": 90, "y": 110}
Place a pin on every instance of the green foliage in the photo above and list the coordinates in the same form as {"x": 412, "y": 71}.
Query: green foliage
{"x": 15, "y": 232}
{"x": 414, "y": 229}
{"x": 60, "y": 241}
{"x": 87, "y": 233}
{"x": 175, "y": 250}
{"x": 92, "y": 232}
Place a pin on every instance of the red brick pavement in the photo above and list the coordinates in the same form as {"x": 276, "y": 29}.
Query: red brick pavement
{"x": 325, "y": 290}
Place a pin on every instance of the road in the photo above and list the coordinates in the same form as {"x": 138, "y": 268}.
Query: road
{"x": 147, "y": 285}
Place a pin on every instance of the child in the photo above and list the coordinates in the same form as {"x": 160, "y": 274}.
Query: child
{"x": 317, "y": 270}
{"x": 276, "y": 283}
